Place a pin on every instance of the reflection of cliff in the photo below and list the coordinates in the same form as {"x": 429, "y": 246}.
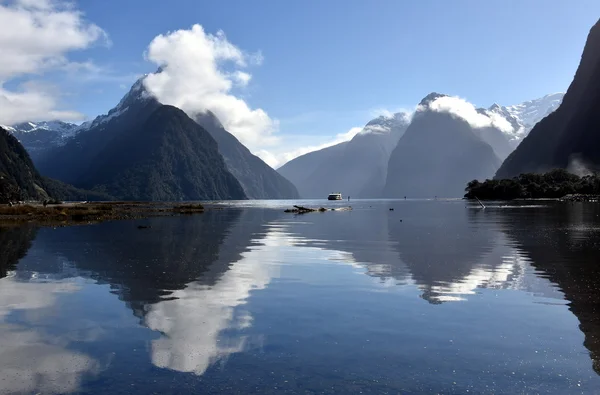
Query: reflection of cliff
{"x": 439, "y": 246}
{"x": 362, "y": 233}
{"x": 184, "y": 277}
{"x": 434, "y": 244}
{"x": 14, "y": 241}
{"x": 143, "y": 266}
{"x": 563, "y": 243}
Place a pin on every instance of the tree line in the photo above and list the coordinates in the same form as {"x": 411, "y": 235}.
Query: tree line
{"x": 554, "y": 184}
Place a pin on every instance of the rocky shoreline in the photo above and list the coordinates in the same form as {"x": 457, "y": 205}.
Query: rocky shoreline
{"x": 73, "y": 213}
{"x": 578, "y": 197}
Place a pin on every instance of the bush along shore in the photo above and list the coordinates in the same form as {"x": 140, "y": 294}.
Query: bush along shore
{"x": 556, "y": 184}
{"x": 91, "y": 212}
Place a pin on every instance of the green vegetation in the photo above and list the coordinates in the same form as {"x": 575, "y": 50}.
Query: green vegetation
{"x": 66, "y": 192}
{"x": 19, "y": 180}
{"x": 554, "y": 184}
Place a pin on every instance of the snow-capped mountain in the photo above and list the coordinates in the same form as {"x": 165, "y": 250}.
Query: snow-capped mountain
{"x": 531, "y": 112}
{"x": 524, "y": 116}
{"x": 40, "y": 137}
{"x": 137, "y": 93}
{"x": 393, "y": 125}
{"x": 63, "y": 128}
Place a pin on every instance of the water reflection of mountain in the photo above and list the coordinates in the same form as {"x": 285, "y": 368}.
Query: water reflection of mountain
{"x": 362, "y": 233}
{"x": 145, "y": 265}
{"x": 563, "y": 243}
{"x": 438, "y": 245}
{"x": 442, "y": 248}
{"x": 15, "y": 242}
{"x": 193, "y": 319}
{"x": 185, "y": 277}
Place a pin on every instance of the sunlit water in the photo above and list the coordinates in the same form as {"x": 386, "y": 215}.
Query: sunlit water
{"x": 430, "y": 297}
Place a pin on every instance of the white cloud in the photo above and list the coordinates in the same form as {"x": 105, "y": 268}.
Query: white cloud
{"x": 278, "y": 157}
{"x": 376, "y": 129}
{"x": 35, "y": 37}
{"x": 196, "y": 76}
{"x": 467, "y": 111}
{"x": 34, "y": 361}
{"x": 241, "y": 78}
{"x": 500, "y": 122}
{"x": 192, "y": 321}
{"x": 32, "y": 102}
{"x": 382, "y": 112}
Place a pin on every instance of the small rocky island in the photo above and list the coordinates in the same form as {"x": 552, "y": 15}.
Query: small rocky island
{"x": 556, "y": 184}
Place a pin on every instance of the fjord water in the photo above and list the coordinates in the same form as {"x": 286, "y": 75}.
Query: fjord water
{"x": 432, "y": 297}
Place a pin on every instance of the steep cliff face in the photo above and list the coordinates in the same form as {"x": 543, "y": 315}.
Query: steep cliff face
{"x": 19, "y": 179}
{"x": 572, "y": 132}
{"x": 169, "y": 157}
{"x": 257, "y": 178}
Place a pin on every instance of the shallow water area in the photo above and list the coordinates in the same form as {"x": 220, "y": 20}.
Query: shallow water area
{"x": 436, "y": 296}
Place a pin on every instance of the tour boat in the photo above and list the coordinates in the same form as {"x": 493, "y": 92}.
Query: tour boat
{"x": 334, "y": 196}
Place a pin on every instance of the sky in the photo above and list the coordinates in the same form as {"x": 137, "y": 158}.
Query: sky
{"x": 285, "y": 77}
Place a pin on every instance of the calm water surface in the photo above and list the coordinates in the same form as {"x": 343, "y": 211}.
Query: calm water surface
{"x": 432, "y": 297}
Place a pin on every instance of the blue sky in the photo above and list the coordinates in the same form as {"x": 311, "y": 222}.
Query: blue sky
{"x": 329, "y": 66}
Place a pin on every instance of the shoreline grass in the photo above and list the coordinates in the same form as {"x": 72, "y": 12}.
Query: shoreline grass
{"x": 71, "y": 213}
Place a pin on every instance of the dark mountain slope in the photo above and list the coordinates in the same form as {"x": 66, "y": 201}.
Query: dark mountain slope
{"x": 70, "y": 162}
{"x": 257, "y": 178}
{"x": 437, "y": 156}
{"x": 570, "y": 132}
{"x": 168, "y": 158}
{"x": 19, "y": 179}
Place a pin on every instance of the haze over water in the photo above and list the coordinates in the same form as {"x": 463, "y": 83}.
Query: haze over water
{"x": 432, "y": 297}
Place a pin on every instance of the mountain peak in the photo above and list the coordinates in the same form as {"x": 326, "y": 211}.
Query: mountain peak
{"x": 137, "y": 94}
{"x": 386, "y": 124}
{"x": 55, "y": 125}
{"x": 532, "y": 111}
{"x": 433, "y": 96}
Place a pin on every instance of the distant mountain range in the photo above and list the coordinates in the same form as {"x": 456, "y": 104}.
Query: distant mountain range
{"x": 113, "y": 154}
{"x": 524, "y": 116}
{"x": 41, "y": 137}
{"x": 357, "y": 168}
{"x": 362, "y": 167}
{"x": 143, "y": 150}
{"x": 569, "y": 137}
